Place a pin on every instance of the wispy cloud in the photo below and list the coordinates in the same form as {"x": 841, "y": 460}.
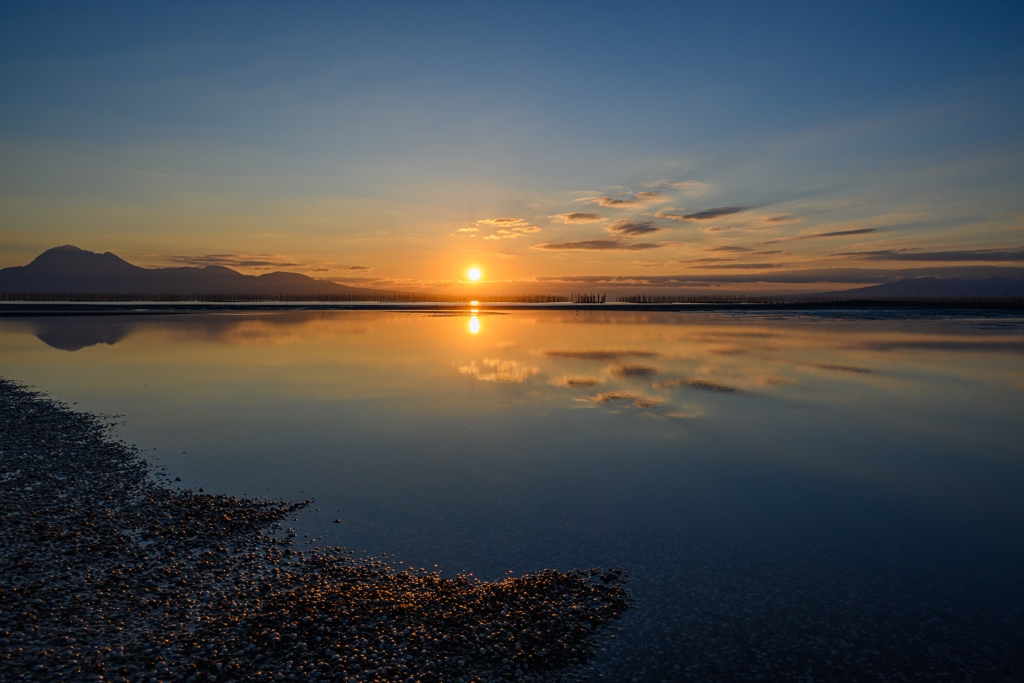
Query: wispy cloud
{"x": 688, "y": 187}
{"x": 624, "y": 227}
{"x": 731, "y": 249}
{"x": 739, "y": 266}
{"x": 358, "y": 280}
{"x": 577, "y": 217}
{"x": 508, "y": 228}
{"x": 258, "y": 261}
{"x": 822, "y": 235}
{"x": 755, "y": 226}
{"x": 638, "y": 199}
{"x": 706, "y": 259}
{"x": 1009, "y": 254}
{"x": 362, "y": 268}
{"x": 610, "y": 244}
{"x": 705, "y": 215}
{"x": 468, "y": 230}
{"x": 503, "y": 222}
{"x": 794, "y": 277}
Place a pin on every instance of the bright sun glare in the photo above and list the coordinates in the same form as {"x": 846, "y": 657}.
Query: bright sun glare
{"x": 474, "y": 273}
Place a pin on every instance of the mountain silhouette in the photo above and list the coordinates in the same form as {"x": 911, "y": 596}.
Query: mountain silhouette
{"x": 932, "y": 287}
{"x": 71, "y": 270}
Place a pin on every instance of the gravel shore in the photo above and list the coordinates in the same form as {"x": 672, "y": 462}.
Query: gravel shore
{"x": 106, "y": 574}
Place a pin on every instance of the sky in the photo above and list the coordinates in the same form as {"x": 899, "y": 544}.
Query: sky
{"x": 555, "y": 146}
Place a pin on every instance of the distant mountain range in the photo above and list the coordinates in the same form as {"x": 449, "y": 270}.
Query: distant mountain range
{"x": 933, "y": 287}
{"x": 71, "y": 270}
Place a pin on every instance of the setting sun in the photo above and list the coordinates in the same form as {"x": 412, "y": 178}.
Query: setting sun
{"x": 474, "y": 273}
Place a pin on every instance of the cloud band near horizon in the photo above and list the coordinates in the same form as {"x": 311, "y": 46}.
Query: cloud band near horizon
{"x": 610, "y": 244}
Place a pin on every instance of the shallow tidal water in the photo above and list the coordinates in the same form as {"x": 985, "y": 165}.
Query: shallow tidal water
{"x": 796, "y": 497}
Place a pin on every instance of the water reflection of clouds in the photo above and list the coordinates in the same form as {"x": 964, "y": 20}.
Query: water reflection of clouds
{"x": 836, "y": 367}
{"x": 497, "y": 370}
{"x": 774, "y": 381}
{"x": 627, "y": 370}
{"x": 978, "y": 345}
{"x": 699, "y": 383}
{"x": 684, "y": 414}
{"x": 632, "y": 397}
{"x": 576, "y": 381}
{"x": 598, "y": 354}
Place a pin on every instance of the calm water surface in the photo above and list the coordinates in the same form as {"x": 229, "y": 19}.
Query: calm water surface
{"x": 795, "y": 497}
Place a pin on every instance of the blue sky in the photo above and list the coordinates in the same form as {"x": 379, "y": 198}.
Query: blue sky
{"x": 393, "y": 138}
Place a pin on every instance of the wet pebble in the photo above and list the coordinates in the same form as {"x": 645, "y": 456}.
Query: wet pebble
{"x": 107, "y": 574}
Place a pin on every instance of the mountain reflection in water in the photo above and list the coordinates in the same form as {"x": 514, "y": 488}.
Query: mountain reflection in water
{"x": 791, "y": 494}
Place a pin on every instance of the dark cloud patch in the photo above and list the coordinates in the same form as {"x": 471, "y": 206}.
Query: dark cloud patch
{"x": 702, "y": 384}
{"x": 578, "y": 217}
{"x": 736, "y": 250}
{"x": 627, "y": 370}
{"x": 821, "y": 235}
{"x": 978, "y": 255}
{"x": 361, "y": 268}
{"x": 634, "y": 228}
{"x": 357, "y": 280}
{"x": 705, "y": 215}
{"x": 741, "y": 266}
{"x": 598, "y": 354}
{"x": 611, "y": 244}
{"x": 778, "y": 219}
{"x": 612, "y": 202}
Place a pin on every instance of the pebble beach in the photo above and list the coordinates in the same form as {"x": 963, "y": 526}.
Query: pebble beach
{"x": 110, "y": 572}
